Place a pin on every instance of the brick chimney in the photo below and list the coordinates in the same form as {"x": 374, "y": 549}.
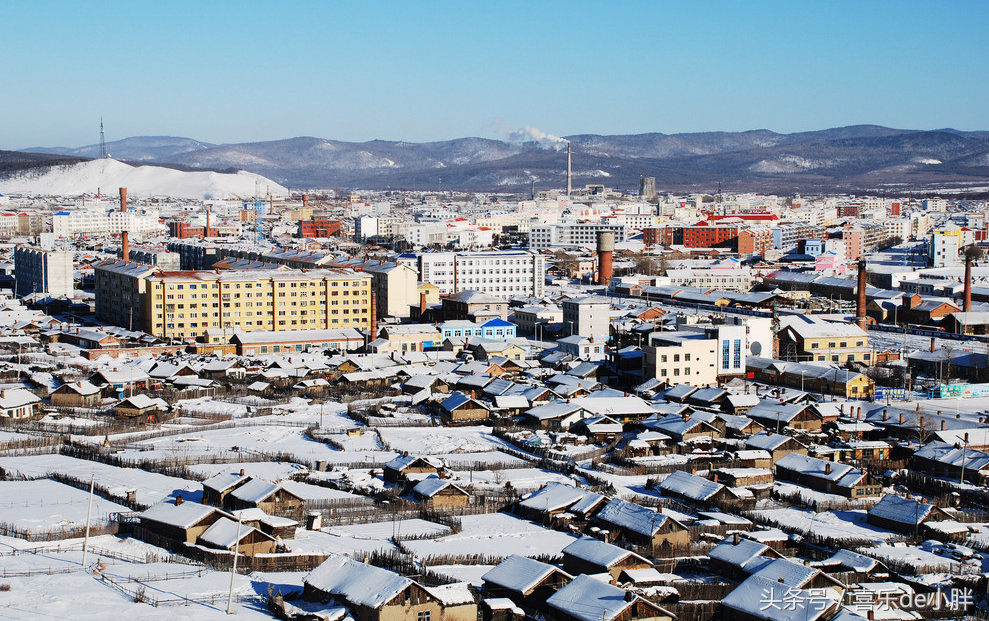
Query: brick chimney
{"x": 422, "y": 304}
{"x": 933, "y": 343}
{"x": 901, "y": 418}
{"x": 305, "y": 200}
{"x": 123, "y": 199}
{"x": 942, "y": 425}
{"x": 967, "y": 299}
{"x": 178, "y": 500}
{"x": 606, "y": 250}
{"x": 241, "y": 472}
{"x": 860, "y": 317}
{"x": 125, "y": 246}
{"x": 827, "y": 468}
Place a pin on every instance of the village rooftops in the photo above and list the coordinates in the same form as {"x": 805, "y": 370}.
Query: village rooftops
{"x": 178, "y": 514}
{"x": 690, "y": 486}
{"x": 555, "y": 496}
{"x": 788, "y": 572}
{"x": 357, "y": 583}
{"x": 814, "y": 328}
{"x": 809, "y": 605}
{"x": 520, "y": 574}
{"x": 767, "y": 441}
{"x": 255, "y": 490}
{"x": 598, "y": 552}
{"x": 223, "y": 533}
{"x": 839, "y": 474}
{"x": 740, "y": 552}
{"x": 224, "y": 480}
{"x": 432, "y": 485}
{"x": 589, "y": 599}
{"x": 633, "y": 517}
{"x": 900, "y": 510}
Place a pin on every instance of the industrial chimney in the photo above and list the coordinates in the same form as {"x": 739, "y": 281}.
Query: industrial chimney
{"x": 569, "y": 169}
{"x": 374, "y": 316}
{"x": 422, "y": 305}
{"x": 125, "y": 246}
{"x": 967, "y": 299}
{"x": 206, "y": 230}
{"x": 305, "y": 200}
{"x": 860, "y": 317}
{"x": 123, "y": 199}
{"x": 606, "y": 248}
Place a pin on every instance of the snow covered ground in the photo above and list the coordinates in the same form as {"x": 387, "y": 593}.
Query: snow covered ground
{"x": 142, "y": 181}
{"x": 439, "y": 440}
{"x": 151, "y": 487}
{"x": 495, "y": 534}
{"x": 849, "y": 525}
{"x": 40, "y": 506}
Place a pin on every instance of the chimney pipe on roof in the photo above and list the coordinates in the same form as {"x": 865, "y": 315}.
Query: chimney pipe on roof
{"x": 241, "y": 472}
{"x": 901, "y": 418}
{"x": 422, "y": 305}
{"x": 933, "y": 343}
{"x": 942, "y": 425}
{"x": 178, "y": 500}
{"x": 827, "y": 468}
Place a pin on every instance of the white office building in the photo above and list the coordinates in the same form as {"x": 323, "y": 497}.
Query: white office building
{"x": 572, "y": 235}
{"x": 502, "y": 273}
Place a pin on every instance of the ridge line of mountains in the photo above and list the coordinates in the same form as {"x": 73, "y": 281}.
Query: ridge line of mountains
{"x": 846, "y": 159}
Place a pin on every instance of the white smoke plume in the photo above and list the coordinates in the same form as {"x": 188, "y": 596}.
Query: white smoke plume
{"x": 533, "y": 134}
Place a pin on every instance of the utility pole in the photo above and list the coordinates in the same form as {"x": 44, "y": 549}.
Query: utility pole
{"x": 89, "y": 515}
{"x": 233, "y": 570}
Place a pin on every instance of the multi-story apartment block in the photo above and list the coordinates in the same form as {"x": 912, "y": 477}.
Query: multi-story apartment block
{"x": 681, "y": 358}
{"x": 184, "y": 305}
{"x": 755, "y": 240}
{"x": 501, "y": 273}
{"x": 43, "y": 271}
{"x": 721, "y": 236}
{"x": 572, "y": 235}
{"x": 587, "y": 316}
{"x": 728, "y": 280}
{"x": 99, "y": 222}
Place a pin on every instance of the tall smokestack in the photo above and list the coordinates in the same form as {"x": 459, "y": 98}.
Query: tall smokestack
{"x": 569, "y": 169}
{"x": 125, "y": 246}
{"x": 860, "y": 305}
{"x": 967, "y": 300}
{"x": 422, "y": 304}
{"x": 305, "y": 200}
{"x": 123, "y": 199}
{"x": 606, "y": 247}
{"x": 271, "y": 205}
{"x": 206, "y": 230}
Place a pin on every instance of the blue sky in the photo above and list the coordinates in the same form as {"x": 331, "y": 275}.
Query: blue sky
{"x": 243, "y": 71}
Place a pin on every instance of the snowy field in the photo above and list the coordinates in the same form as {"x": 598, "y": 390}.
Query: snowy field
{"x": 522, "y": 479}
{"x": 440, "y": 440}
{"x": 813, "y": 496}
{"x": 39, "y": 506}
{"x": 151, "y": 487}
{"x": 497, "y": 535}
{"x": 463, "y": 573}
{"x": 849, "y": 525}
{"x": 270, "y": 470}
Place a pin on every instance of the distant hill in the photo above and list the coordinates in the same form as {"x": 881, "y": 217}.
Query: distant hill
{"x": 860, "y": 157}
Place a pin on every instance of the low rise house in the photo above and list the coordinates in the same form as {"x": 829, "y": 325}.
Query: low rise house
{"x": 404, "y": 465}
{"x": 827, "y": 477}
{"x": 642, "y": 525}
{"x": 76, "y": 395}
{"x": 589, "y": 599}
{"x": 681, "y": 484}
{"x": 557, "y": 498}
{"x": 776, "y": 444}
{"x": 737, "y": 557}
{"x": 436, "y": 492}
{"x": 140, "y": 406}
{"x": 217, "y": 488}
{"x": 223, "y": 535}
{"x": 171, "y": 523}
{"x": 952, "y": 461}
{"x": 903, "y": 515}
{"x": 460, "y": 407}
{"x": 588, "y": 555}
{"x": 18, "y": 403}
{"x": 375, "y": 594}
{"x": 525, "y": 581}
{"x": 272, "y": 498}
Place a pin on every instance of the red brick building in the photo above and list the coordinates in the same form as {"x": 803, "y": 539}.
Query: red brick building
{"x": 755, "y": 241}
{"x": 721, "y": 236}
{"x": 319, "y": 226}
{"x": 183, "y": 230}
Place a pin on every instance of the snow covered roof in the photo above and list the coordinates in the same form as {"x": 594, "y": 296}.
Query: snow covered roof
{"x": 432, "y": 485}
{"x": 182, "y": 515}
{"x": 454, "y": 594}
{"x": 839, "y": 474}
{"x": 767, "y": 441}
{"x": 143, "y": 402}
{"x": 690, "y": 486}
{"x": 750, "y": 598}
{"x": 554, "y": 497}
{"x": 788, "y": 572}
{"x": 633, "y": 517}
{"x": 83, "y": 388}
{"x": 357, "y": 583}
{"x": 900, "y": 510}
{"x": 852, "y": 561}
{"x": 738, "y": 554}
{"x": 404, "y": 461}
{"x": 17, "y": 397}
{"x": 223, "y": 481}
{"x": 520, "y": 574}
{"x": 590, "y": 599}
{"x": 255, "y": 490}
{"x": 599, "y": 552}
{"x": 223, "y": 533}
{"x": 947, "y": 454}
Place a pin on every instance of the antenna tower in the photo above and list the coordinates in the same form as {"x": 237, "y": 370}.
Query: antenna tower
{"x": 103, "y": 153}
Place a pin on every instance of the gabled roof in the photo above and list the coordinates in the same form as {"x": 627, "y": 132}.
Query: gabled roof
{"x": 224, "y": 480}
{"x": 183, "y": 515}
{"x": 633, "y": 517}
{"x": 590, "y": 599}
{"x": 357, "y": 583}
{"x": 808, "y": 605}
{"x": 690, "y": 486}
{"x": 740, "y": 554}
{"x": 223, "y": 533}
{"x": 520, "y": 574}
{"x": 900, "y": 510}
{"x": 555, "y": 496}
{"x": 599, "y": 552}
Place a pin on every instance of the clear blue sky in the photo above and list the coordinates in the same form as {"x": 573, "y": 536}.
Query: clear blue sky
{"x": 242, "y": 71}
